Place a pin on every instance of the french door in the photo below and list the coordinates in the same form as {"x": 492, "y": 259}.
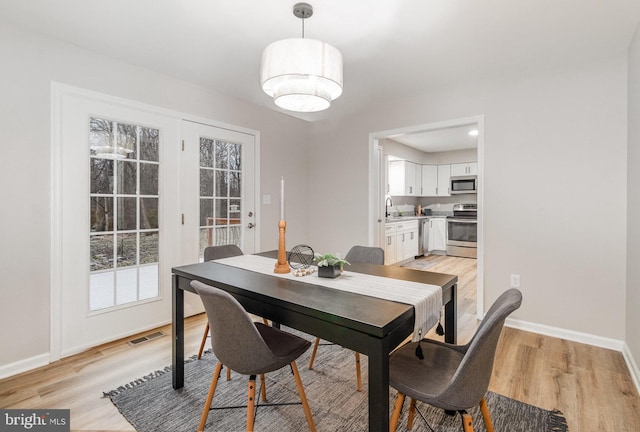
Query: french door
{"x": 136, "y": 190}
{"x": 218, "y": 189}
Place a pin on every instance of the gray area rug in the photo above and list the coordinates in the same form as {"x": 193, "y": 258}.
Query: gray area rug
{"x": 151, "y": 404}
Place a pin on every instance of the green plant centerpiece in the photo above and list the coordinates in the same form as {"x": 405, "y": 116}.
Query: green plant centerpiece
{"x": 329, "y": 265}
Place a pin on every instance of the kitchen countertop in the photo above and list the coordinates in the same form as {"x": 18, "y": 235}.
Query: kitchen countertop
{"x": 393, "y": 219}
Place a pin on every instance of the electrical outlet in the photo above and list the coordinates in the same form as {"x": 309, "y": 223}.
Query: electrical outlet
{"x": 515, "y": 281}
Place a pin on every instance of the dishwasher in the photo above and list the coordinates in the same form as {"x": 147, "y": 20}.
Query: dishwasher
{"x": 423, "y": 236}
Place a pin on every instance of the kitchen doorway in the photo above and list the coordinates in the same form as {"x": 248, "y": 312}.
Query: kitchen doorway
{"x": 379, "y": 186}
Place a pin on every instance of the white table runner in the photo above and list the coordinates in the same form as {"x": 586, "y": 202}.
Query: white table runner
{"x": 426, "y": 299}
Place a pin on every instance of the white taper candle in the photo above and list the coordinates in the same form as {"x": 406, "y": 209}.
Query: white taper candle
{"x": 282, "y": 198}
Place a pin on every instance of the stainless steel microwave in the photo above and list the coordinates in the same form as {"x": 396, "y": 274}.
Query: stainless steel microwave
{"x": 463, "y": 185}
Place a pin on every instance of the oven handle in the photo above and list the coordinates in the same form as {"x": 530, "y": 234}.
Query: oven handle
{"x": 472, "y": 221}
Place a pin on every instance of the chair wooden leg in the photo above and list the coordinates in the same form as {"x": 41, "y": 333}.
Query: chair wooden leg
{"x": 228, "y": 374}
{"x": 251, "y": 398}
{"x": 263, "y": 388}
{"x": 313, "y": 352}
{"x": 488, "y": 424}
{"x": 395, "y": 415}
{"x": 358, "y": 374}
{"x": 303, "y": 397}
{"x": 204, "y": 340}
{"x": 412, "y": 414}
{"x": 212, "y": 390}
{"x": 467, "y": 422}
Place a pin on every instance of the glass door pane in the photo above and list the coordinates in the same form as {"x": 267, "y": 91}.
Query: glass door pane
{"x": 124, "y": 222}
{"x": 220, "y": 193}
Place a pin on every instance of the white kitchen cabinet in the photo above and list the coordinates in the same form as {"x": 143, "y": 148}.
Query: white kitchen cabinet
{"x": 400, "y": 241}
{"x": 402, "y": 178}
{"x": 396, "y": 178}
{"x": 429, "y": 180}
{"x": 390, "y": 243}
{"x": 406, "y": 240}
{"x": 437, "y": 234}
{"x": 464, "y": 169}
{"x": 444, "y": 178}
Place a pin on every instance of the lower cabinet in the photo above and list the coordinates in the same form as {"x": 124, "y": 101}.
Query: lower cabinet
{"x": 401, "y": 241}
{"x": 389, "y": 243}
{"x": 437, "y": 234}
{"x": 407, "y": 235}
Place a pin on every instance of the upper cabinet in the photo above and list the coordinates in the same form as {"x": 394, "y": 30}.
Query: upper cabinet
{"x": 464, "y": 169}
{"x": 402, "y": 178}
{"x": 444, "y": 180}
{"x": 410, "y": 179}
{"x": 429, "y": 180}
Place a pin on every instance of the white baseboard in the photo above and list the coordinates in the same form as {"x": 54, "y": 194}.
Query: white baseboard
{"x": 574, "y": 336}
{"x": 632, "y": 365}
{"x": 24, "y": 365}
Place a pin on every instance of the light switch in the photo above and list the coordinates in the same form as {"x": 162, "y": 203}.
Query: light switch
{"x": 266, "y": 199}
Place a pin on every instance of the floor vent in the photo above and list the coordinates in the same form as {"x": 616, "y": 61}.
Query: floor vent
{"x": 143, "y": 339}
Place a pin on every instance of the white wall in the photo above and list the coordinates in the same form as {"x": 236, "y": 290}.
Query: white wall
{"x": 30, "y": 63}
{"x": 456, "y": 156}
{"x": 555, "y": 186}
{"x": 394, "y": 148}
{"x": 633, "y": 207}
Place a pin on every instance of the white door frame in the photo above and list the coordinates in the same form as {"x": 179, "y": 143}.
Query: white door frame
{"x": 60, "y": 93}
{"x": 375, "y": 193}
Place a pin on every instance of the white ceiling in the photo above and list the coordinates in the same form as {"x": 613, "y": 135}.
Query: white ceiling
{"x": 392, "y": 48}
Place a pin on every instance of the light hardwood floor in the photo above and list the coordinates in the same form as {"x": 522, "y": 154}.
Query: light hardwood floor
{"x": 591, "y": 386}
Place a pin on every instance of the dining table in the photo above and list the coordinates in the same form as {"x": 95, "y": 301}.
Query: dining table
{"x": 369, "y": 325}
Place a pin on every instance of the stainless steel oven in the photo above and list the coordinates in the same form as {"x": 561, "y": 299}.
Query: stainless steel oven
{"x": 462, "y": 231}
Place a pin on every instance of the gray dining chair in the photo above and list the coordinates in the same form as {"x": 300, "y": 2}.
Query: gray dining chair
{"x": 213, "y": 253}
{"x": 451, "y": 377}
{"x": 364, "y": 254}
{"x": 249, "y": 348}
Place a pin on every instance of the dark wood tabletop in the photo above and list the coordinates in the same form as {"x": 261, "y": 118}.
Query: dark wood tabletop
{"x": 366, "y": 324}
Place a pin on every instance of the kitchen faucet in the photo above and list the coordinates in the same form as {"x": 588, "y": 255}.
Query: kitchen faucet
{"x": 386, "y": 207}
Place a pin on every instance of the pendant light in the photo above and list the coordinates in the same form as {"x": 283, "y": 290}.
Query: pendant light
{"x": 300, "y": 74}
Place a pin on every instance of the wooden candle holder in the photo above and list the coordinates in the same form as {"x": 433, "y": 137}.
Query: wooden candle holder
{"x": 282, "y": 266}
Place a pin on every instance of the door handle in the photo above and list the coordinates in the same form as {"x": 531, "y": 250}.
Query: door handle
{"x": 251, "y": 225}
